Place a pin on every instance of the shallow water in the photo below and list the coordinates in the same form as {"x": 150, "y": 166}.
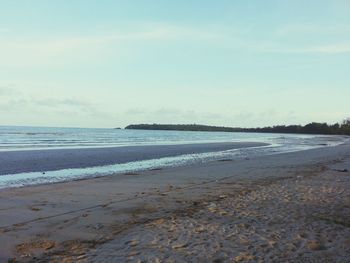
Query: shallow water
{"x": 30, "y": 138}
{"x": 35, "y": 138}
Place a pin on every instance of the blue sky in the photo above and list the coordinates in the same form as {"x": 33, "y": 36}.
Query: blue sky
{"x": 233, "y": 63}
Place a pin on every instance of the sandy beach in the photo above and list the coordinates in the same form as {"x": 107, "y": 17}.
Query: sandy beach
{"x": 291, "y": 207}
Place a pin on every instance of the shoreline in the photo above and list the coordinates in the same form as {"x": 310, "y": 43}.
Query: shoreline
{"x": 84, "y": 220}
{"x": 13, "y": 162}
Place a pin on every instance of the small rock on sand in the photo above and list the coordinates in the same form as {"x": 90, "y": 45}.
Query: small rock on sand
{"x": 81, "y": 257}
{"x": 212, "y": 206}
{"x": 244, "y": 257}
{"x": 315, "y": 245}
{"x": 132, "y": 243}
{"x": 179, "y": 246}
{"x": 159, "y": 221}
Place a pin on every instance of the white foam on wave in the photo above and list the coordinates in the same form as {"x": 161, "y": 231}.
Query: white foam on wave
{"x": 34, "y": 178}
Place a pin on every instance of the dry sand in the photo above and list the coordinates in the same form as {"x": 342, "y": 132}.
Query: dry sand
{"x": 291, "y": 207}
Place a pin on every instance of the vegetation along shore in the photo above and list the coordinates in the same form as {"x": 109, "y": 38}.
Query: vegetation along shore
{"x": 311, "y": 128}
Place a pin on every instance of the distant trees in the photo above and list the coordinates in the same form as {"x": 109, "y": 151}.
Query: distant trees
{"x": 311, "y": 128}
{"x": 181, "y": 127}
{"x": 345, "y": 126}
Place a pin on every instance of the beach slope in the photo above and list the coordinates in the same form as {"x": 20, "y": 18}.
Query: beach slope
{"x": 286, "y": 207}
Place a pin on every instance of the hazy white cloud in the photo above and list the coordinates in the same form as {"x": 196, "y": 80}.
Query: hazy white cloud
{"x": 331, "y": 49}
{"x": 8, "y": 91}
{"x": 173, "y": 115}
{"x": 14, "y": 100}
{"x": 29, "y": 52}
{"x": 76, "y": 50}
{"x": 24, "y": 104}
{"x": 326, "y": 39}
{"x": 298, "y": 29}
{"x": 326, "y": 49}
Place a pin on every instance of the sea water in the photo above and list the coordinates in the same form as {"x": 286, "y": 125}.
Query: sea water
{"x": 38, "y": 138}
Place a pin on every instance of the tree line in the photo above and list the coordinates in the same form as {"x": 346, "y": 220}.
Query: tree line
{"x": 342, "y": 128}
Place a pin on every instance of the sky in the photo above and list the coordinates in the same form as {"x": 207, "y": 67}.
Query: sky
{"x": 110, "y": 63}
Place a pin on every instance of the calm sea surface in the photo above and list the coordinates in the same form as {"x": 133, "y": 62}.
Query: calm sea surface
{"x": 37, "y": 138}
{"x": 32, "y": 138}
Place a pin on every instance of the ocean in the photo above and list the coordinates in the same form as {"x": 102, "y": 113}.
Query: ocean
{"x": 15, "y": 138}
{"x": 30, "y": 140}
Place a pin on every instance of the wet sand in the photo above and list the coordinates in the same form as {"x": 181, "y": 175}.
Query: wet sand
{"x": 292, "y": 207}
{"x": 51, "y": 160}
